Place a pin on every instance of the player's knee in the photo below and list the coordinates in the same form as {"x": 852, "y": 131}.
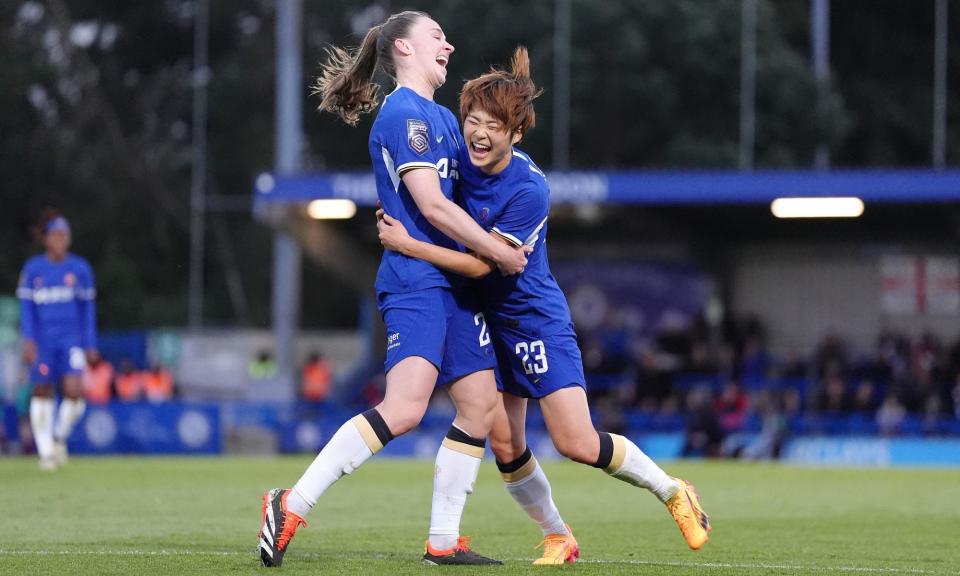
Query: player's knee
{"x": 477, "y": 419}
{"x": 505, "y": 449}
{"x": 405, "y": 422}
{"x": 401, "y": 418}
{"x": 43, "y": 390}
{"x": 576, "y": 449}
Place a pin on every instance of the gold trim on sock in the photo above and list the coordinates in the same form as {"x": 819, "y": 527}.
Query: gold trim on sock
{"x": 521, "y": 472}
{"x": 619, "y": 454}
{"x": 475, "y": 451}
{"x": 367, "y": 433}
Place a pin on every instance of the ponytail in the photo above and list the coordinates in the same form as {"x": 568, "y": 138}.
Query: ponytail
{"x": 520, "y": 65}
{"x": 345, "y": 85}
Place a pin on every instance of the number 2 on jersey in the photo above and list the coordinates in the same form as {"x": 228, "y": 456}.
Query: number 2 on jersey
{"x": 538, "y": 351}
{"x": 479, "y": 320}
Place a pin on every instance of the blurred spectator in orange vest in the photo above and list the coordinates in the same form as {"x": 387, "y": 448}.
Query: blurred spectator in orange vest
{"x": 129, "y": 383}
{"x": 158, "y": 384}
{"x": 98, "y": 382}
{"x": 316, "y": 378}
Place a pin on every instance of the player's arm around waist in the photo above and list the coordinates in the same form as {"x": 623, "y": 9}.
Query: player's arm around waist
{"x": 395, "y": 237}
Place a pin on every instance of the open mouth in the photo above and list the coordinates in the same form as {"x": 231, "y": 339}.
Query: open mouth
{"x": 479, "y": 150}
{"x": 442, "y": 60}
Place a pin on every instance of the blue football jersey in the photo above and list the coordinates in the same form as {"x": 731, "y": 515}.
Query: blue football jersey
{"x": 57, "y": 301}
{"x": 412, "y": 132}
{"x": 514, "y": 204}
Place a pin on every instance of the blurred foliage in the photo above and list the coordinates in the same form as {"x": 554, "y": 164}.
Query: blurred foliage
{"x": 96, "y": 100}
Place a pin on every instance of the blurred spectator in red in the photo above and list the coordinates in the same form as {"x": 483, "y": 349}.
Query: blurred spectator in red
{"x": 373, "y": 390}
{"x": 129, "y": 383}
{"x": 98, "y": 382}
{"x": 316, "y": 380}
{"x": 731, "y": 407}
{"x": 158, "y": 384}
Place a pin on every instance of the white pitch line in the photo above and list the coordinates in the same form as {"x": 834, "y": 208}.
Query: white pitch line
{"x": 724, "y": 565}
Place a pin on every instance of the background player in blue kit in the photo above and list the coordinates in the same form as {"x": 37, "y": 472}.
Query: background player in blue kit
{"x": 533, "y": 336}
{"x": 435, "y": 333}
{"x": 59, "y": 328}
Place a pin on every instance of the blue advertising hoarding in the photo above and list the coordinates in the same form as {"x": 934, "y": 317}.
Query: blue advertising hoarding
{"x": 143, "y": 428}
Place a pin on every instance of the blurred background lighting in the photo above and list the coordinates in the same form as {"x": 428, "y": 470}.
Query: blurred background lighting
{"x": 849, "y": 207}
{"x": 331, "y": 209}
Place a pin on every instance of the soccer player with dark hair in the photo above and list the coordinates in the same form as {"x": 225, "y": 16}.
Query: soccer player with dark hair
{"x": 436, "y": 334}
{"x": 59, "y": 329}
{"x": 531, "y": 328}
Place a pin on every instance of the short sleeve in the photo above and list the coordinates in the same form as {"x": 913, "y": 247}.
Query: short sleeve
{"x": 409, "y": 138}
{"x": 524, "y": 217}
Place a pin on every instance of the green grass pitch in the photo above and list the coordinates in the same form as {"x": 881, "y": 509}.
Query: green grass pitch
{"x": 200, "y": 516}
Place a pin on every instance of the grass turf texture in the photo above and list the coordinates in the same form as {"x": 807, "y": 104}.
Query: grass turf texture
{"x": 200, "y": 516}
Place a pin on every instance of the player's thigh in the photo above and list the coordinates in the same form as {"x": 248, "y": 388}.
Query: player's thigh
{"x": 73, "y": 386}
{"x": 416, "y": 324}
{"x": 409, "y": 385}
{"x": 566, "y": 414}
{"x": 416, "y": 327}
{"x": 72, "y": 365}
{"x": 467, "y": 346}
{"x": 45, "y": 370}
{"x": 508, "y": 434}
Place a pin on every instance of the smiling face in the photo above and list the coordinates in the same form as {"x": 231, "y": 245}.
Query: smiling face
{"x": 427, "y": 51}
{"x": 489, "y": 141}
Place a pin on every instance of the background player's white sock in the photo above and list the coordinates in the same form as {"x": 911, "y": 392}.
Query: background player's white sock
{"x": 458, "y": 461}
{"x": 41, "y": 423}
{"x": 354, "y": 443}
{"x": 70, "y": 412}
{"x": 527, "y": 483}
{"x": 638, "y": 469}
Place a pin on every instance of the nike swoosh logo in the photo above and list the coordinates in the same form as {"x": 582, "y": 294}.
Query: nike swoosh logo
{"x": 439, "y": 138}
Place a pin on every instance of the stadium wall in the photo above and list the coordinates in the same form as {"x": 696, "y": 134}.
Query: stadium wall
{"x": 802, "y": 291}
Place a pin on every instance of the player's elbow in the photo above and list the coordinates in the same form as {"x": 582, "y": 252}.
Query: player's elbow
{"x": 433, "y": 215}
{"x": 435, "y": 212}
{"x": 477, "y": 272}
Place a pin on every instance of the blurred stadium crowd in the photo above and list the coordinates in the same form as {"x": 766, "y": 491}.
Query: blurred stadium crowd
{"x": 725, "y": 386}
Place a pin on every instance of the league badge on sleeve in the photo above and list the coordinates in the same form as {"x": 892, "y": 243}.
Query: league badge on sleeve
{"x": 417, "y": 136}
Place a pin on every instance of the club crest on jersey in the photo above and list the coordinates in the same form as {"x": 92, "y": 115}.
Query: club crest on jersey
{"x": 417, "y": 136}
{"x": 69, "y": 279}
